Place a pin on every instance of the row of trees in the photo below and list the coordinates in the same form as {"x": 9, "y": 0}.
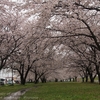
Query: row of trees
{"x": 21, "y": 44}
{"x": 81, "y": 27}
{"x": 43, "y": 36}
{"x": 24, "y": 46}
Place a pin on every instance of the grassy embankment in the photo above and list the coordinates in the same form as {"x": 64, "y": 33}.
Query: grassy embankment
{"x": 55, "y": 91}
{"x": 63, "y": 91}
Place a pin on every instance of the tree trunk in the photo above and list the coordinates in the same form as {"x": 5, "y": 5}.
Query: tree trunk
{"x": 92, "y": 78}
{"x": 75, "y": 78}
{"x": 83, "y": 79}
{"x": 36, "y": 80}
{"x": 43, "y": 79}
{"x": 99, "y": 78}
{"x": 98, "y": 73}
{"x": 86, "y": 78}
{"x": 23, "y": 81}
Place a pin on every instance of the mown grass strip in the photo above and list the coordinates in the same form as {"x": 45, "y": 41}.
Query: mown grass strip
{"x": 63, "y": 91}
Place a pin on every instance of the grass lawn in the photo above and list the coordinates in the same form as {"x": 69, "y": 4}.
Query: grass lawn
{"x": 7, "y": 89}
{"x": 63, "y": 91}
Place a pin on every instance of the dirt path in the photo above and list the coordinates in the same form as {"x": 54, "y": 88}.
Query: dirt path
{"x": 16, "y": 95}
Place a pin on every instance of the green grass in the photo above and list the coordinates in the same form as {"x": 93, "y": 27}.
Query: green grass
{"x": 7, "y": 89}
{"x": 63, "y": 91}
{"x": 55, "y": 91}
